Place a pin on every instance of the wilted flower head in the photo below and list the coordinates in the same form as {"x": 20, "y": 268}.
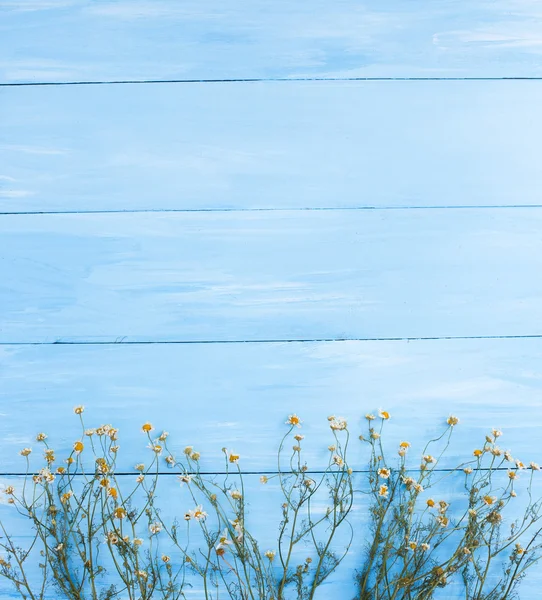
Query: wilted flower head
{"x": 155, "y": 528}
{"x": 78, "y": 410}
{"x": 452, "y": 421}
{"x": 442, "y": 520}
{"x": 338, "y": 424}
{"x": 338, "y": 460}
{"x": 66, "y": 496}
{"x": 494, "y": 517}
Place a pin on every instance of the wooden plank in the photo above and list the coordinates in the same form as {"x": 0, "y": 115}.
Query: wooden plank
{"x": 248, "y": 390}
{"x": 131, "y": 39}
{"x": 270, "y": 276}
{"x": 271, "y": 145}
{"x": 263, "y": 518}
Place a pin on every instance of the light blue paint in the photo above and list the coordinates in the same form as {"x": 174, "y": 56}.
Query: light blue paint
{"x": 215, "y": 396}
{"x": 271, "y": 276}
{"x": 67, "y": 40}
{"x": 271, "y": 145}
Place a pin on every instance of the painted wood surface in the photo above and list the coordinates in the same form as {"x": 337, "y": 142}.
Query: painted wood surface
{"x": 263, "y": 518}
{"x": 271, "y": 276}
{"x": 239, "y": 396}
{"x": 70, "y": 40}
{"x": 271, "y": 145}
{"x": 248, "y": 266}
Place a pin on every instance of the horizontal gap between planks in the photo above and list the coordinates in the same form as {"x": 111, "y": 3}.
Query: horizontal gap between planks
{"x": 233, "y": 473}
{"x": 260, "y": 79}
{"x": 121, "y": 342}
{"x": 264, "y": 209}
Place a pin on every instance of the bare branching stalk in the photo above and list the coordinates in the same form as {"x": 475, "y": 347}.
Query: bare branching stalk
{"x": 96, "y": 535}
{"x": 421, "y": 542}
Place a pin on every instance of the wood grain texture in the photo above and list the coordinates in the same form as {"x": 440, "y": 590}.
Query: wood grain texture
{"x": 239, "y": 396}
{"x": 271, "y": 276}
{"x": 69, "y": 40}
{"x": 271, "y": 145}
{"x": 263, "y": 518}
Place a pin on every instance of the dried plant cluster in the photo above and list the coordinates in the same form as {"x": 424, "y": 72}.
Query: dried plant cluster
{"x": 96, "y": 534}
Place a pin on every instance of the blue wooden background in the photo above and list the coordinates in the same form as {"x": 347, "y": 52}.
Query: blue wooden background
{"x": 293, "y": 206}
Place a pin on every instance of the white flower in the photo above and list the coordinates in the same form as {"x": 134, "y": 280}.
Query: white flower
{"x": 236, "y": 494}
{"x": 185, "y": 478}
{"x": 198, "y": 513}
{"x": 294, "y": 421}
{"x": 338, "y": 460}
{"x": 223, "y": 541}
